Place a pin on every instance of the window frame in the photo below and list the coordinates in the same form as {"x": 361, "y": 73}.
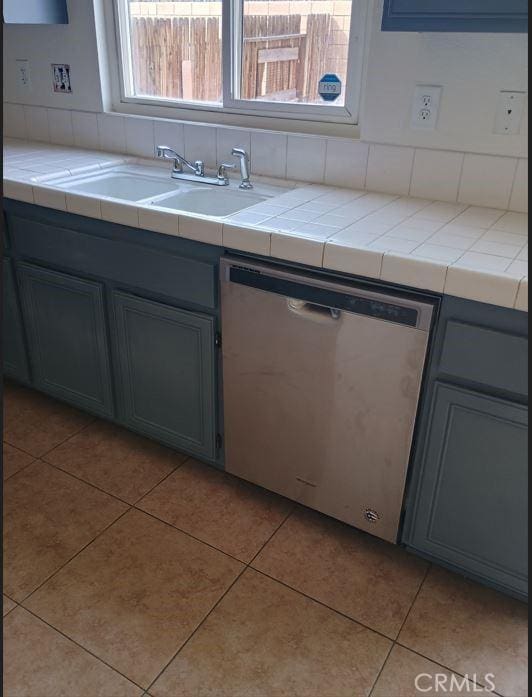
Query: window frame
{"x": 347, "y": 115}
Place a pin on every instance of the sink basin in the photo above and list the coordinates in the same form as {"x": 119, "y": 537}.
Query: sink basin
{"x": 122, "y": 185}
{"x": 212, "y": 201}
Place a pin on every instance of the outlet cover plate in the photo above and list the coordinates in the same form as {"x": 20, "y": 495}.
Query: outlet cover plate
{"x": 510, "y": 110}
{"x": 426, "y": 106}
{"x": 23, "y": 73}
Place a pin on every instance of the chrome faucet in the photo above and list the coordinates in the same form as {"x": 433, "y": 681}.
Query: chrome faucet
{"x": 244, "y": 167}
{"x": 197, "y": 168}
{"x": 166, "y": 153}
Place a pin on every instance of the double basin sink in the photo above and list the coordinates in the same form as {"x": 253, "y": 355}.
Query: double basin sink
{"x": 142, "y": 186}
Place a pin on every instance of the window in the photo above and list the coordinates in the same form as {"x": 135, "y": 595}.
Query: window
{"x": 243, "y": 56}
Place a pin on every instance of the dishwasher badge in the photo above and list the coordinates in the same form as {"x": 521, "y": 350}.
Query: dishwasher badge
{"x": 330, "y": 87}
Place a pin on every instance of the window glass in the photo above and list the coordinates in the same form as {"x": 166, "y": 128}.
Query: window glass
{"x": 176, "y": 49}
{"x": 288, "y": 46}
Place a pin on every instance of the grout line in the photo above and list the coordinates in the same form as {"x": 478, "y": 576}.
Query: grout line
{"x": 514, "y": 180}
{"x": 427, "y": 571}
{"x": 461, "y": 178}
{"x": 381, "y": 671}
{"x": 246, "y": 568}
{"x": 394, "y": 644}
{"x": 54, "y": 573}
{"x": 239, "y": 576}
{"x": 84, "y": 481}
{"x": 6, "y": 479}
{"x": 104, "y": 491}
{"x": 441, "y": 665}
{"x": 83, "y": 648}
{"x": 188, "y": 534}
{"x": 320, "y": 602}
{"x": 47, "y": 452}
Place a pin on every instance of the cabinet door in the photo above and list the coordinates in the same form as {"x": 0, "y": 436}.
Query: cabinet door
{"x": 15, "y": 360}
{"x": 471, "y": 508}
{"x": 167, "y": 374}
{"x": 67, "y": 337}
{"x": 35, "y": 12}
{"x": 456, "y": 15}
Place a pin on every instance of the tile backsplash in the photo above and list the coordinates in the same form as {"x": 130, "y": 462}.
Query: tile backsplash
{"x": 455, "y": 177}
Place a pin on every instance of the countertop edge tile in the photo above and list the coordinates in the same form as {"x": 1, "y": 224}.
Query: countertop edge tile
{"x": 496, "y": 287}
{"x": 491, "y": 288}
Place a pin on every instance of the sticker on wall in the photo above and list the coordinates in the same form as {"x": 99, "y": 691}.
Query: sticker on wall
{"x": 330, "y": 87}
{"x": 61, "y": 78}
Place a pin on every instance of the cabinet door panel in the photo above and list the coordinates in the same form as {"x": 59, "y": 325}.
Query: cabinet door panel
{"x": 15, "y": 359}
{"x": 35, "y": 12}
{"x": 472, "y": 500}
{"x": 456, "y": 15}
{"x": 67, "y": 336}
{"x": 166, "y": 361}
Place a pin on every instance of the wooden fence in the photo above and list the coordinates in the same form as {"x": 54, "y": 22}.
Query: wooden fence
{"x": 180, "y": 57}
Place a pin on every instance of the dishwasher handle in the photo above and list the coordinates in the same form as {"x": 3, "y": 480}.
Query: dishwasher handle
{"x": 312, "y": 311}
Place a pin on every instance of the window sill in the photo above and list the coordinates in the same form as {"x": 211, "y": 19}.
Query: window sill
{"x": 248, "y": 121}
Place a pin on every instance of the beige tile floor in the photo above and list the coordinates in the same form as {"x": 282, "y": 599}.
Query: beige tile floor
{"x": 132, "y": 570}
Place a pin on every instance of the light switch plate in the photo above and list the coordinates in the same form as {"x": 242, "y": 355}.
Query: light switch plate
{"x": 61, "y": 78}
{"x": 425, "y": 106}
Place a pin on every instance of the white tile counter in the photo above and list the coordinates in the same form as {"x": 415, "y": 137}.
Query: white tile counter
{"x": 466, "y": 251}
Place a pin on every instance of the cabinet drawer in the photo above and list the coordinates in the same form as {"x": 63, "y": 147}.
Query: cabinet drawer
{"x": 162, "y": 273}
{"x": 485, "y": 357}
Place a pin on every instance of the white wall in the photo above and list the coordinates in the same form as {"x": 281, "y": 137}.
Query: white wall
{"x": 472, "y": 68}
{"x": 73, "y": 43}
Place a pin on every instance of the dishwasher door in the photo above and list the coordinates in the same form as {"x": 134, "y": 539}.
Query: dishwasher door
{"x": 321, "y": 386}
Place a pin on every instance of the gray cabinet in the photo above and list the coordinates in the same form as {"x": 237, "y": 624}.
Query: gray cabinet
{"x": 466, "y": 506}
{"x": 67, "y": 337}
{"x": 14, "y": 350}
{"x": 456, "y": 16}
{"x": 472, "y": 501}
{"x": 166, "y": 373}
{"x": 35, "y": 12}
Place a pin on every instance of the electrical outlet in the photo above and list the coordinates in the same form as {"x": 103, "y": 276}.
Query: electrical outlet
{"x": 23, "y": 73}
{"x": 425, "y": 106}
{"x": 509, "y": 116}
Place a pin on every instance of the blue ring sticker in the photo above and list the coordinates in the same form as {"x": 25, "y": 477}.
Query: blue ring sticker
{"x": 330, "y": 87}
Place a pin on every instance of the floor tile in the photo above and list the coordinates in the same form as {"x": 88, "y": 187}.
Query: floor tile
{"x": 38, "y": 661}
{"x": 264, "y": 639}
{"x": 36, "y": 423}
{"x": 115, "y": 460}
{"x": 223, "y": 511}
{"x": 405, "y": 672}
{"x": 136, "y": 594}
{"x": 48, "y": 517}
{"x": 367, "y": 579}
{"x": 14, "y": 460}
{"x": 8, "y": 605}
{"x": 470, "y": 629}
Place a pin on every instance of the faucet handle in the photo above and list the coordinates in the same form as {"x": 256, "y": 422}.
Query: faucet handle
{"x": 222, "y": 172}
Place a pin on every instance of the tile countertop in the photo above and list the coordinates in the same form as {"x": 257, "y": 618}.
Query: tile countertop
{"x": 469, "y": 252}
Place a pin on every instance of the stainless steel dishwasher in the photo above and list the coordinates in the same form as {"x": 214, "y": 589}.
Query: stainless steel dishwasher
{"x": 321, "y": 386}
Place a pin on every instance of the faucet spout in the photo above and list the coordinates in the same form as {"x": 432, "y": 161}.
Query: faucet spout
{"x": 166, "y": 153}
